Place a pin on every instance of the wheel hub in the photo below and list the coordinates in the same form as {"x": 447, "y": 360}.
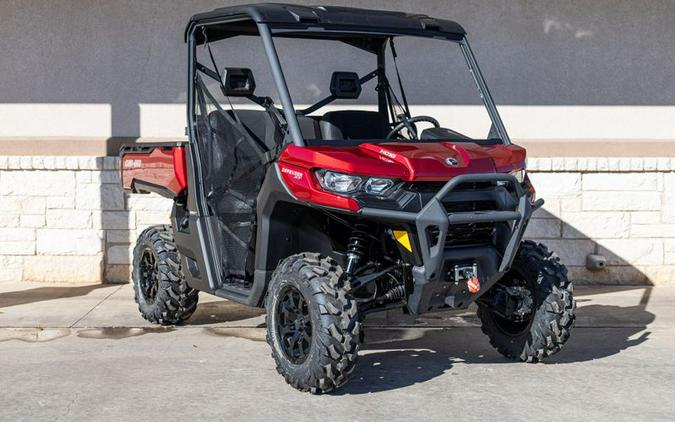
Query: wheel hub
{"x": 149, "y": 276}
{"x": 512, "y": 304}
{"x": 294, "y": 325}
{"x": 521, "y": 302}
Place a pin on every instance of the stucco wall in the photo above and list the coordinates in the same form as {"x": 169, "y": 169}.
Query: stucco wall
{"x": 103, "y": 68}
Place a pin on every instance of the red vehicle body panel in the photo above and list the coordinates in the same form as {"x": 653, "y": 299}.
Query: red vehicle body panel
{"x": 420, "y": 162}
{"x": 407, "y": 162}
{"x": 164, "y": 167}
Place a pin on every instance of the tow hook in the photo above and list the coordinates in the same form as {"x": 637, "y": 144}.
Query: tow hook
{"x": 468, "y": 274}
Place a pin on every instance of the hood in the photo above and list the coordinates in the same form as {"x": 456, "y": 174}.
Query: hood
{"x": 438, "y": 161}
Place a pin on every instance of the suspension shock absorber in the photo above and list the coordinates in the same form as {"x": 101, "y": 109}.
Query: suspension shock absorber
{"x": 395, "y": 293}
{"x": 359, "y": 242}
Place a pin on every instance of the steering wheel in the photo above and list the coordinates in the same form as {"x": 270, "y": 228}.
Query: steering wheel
{"x": 409, "y": 123}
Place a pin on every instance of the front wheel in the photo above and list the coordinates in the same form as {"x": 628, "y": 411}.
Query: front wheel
{"x": 532, "y": 309}
{"x": 313, "y": 324}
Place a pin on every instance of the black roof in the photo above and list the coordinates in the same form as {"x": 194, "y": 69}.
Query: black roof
{"x": 337, "y": 18}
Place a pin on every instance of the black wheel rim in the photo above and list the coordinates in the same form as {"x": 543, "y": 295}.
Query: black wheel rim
{"x": 511, "y": 327}
{"x": 294, "y": 325}
{"x": 149, "y": 276}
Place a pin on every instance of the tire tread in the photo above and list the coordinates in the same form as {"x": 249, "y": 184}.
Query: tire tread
{"x": 338, "y": 338}
{"x": 175, "y": 301}
{"x": 555, "y": 317}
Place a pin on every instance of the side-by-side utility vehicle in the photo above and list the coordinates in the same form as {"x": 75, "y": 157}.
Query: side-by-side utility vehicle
{"x": 314, "y": 185}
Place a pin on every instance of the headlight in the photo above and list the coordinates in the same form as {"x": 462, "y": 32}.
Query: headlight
{"x": 333, "y": 181}
{"x": 519, "y": 175}
{"x": 338, "y": 182}
{"x": 377, "y": 185}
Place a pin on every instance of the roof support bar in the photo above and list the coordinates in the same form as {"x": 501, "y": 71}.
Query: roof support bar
{"x": 382, "y": 101}
{"x": 329, "y": 99}
{"x": 280, "y": 82}
{"x": 484, "y": 92}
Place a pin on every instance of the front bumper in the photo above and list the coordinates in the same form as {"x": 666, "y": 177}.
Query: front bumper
{"x": 434, "y": 288}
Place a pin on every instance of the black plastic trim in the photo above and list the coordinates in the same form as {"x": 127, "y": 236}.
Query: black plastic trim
{"x": 148, "y": 147}
{"x": 327, "y": 17}
{"x": 350, "y": 143}
{"x": 434, "y": 215}
{"x": 139, "y": 186}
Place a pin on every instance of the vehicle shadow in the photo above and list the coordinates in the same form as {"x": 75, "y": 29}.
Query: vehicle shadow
{"x": 393, "y": 358}
{"x": 42, "y": 294}
{"x": 223, "y": 311}
{"x": 609, "y": 330}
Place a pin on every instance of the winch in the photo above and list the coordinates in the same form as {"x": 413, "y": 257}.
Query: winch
{"x": 468, "y": 274}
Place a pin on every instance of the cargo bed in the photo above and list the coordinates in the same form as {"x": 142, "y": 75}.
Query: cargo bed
{"x": 156, "y": 167}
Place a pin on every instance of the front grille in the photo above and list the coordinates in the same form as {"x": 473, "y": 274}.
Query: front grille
{"x": 469, "y": 233}
{"x": 474, "y": 186}
{"x": 433, "y": 187}
{"x": 466, "y": 197}
{"x": 470, "y": 206}
{"x": 464, "y": 234}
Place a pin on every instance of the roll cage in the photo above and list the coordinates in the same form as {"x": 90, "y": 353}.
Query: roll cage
{"x": 368, "y": 30}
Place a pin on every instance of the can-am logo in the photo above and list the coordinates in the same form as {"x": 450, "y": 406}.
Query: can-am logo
{"x": 451, "y": 161}
{"x": 388, "y": 153}
{"x": 132, "y": 164}
{"x": 293, "y": 173}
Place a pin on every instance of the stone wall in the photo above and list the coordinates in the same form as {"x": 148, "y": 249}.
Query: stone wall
{"x": 66, "y": 219}
{"x": 622, "y": 208}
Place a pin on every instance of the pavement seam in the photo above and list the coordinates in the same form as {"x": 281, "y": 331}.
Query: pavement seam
{"x": 94, "y": 307}
{"x": 390, "y": 327}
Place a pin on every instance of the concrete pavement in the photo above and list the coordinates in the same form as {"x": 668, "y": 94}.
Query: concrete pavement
{"x": 83, "y": 353}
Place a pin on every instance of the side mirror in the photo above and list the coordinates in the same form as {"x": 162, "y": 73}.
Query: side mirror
{"x": 239, "y": 82}
{"x": 345, "y": 85}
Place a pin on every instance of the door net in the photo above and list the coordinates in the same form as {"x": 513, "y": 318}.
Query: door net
{"x": 233, "y": 166}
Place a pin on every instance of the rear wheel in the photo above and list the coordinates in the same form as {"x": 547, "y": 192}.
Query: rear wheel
{"x": 313, "y": 324}
{"x": 162, "y": 295}
{"x": 532, "y": 311}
